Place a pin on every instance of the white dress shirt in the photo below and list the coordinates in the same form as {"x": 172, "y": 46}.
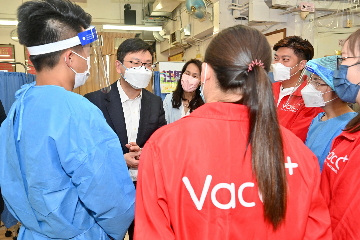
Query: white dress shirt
{"x": 173, "y": 114}
{"x": 131, "y": 109}
{"x": 182, "y": 108}
{"x": 284, "y": 92}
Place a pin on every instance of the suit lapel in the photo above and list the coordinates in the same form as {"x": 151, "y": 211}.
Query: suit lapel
{"x": 116, "y": 113}
{"x": 144, "y": 117}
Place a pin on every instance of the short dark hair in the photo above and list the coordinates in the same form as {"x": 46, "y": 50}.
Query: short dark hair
{"x": 301, "y": 47}
{"x": 133, "y": 45}
{"x": 178, "y": 93}
{"x": 48, "y": 21}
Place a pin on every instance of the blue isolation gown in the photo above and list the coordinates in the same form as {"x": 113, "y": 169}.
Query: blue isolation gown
{"x": 62, "y": 170}
{"x": 321, "y": 134}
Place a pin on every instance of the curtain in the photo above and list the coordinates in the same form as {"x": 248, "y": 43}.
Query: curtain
{"x": 157, "y": 88}
{"x": 10, "y": 82}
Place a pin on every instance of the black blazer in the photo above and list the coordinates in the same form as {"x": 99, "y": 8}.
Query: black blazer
{"x": 152, "y": 114}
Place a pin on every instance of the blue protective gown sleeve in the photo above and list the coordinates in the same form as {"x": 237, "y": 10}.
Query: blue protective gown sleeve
{"x": 67, "y": 167}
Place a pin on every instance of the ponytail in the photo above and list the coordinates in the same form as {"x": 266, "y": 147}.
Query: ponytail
{"x": 234, "y": 56}
{"x": 267, "y": 155}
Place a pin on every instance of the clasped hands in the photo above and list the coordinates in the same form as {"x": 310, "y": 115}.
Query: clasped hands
{"x": 132, "y": 158}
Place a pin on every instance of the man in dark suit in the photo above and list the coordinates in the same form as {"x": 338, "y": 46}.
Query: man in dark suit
{"x": 131, "y": 111}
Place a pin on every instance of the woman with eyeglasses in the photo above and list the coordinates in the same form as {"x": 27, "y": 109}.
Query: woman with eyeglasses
{"x": 186, "y": 97}
{"x": 340, "y": 178}
{"x": 228, "y": 170}
{"x": 319, "y": 92}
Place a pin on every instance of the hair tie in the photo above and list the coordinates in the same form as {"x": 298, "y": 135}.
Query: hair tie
{"x": 255, "y": 63}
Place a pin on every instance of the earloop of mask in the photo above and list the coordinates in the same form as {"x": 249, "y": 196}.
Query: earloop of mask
{"x": 330, "y": 99}
{"x": 296, "y": 71}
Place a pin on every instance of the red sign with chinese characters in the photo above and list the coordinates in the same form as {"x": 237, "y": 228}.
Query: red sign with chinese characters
{"x": 30, "y": 69}
{"x": 7, "y": 54}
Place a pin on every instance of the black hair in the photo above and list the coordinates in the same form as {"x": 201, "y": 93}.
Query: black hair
{"x": 48, "y": 21}
{"x": 177, "y": 98}
{"x": 302, "y": 48}
{"x": 133, "y": 45}
{"x": 229, "y": 54}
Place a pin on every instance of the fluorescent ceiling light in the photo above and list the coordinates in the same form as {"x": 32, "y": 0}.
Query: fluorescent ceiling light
{"x": 7, "y": 22}
{"x": 133, "y": 27}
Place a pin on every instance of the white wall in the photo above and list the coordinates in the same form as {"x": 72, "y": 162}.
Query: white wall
{"x": 323, "y": 33}
{"x": 200, "y": 31}
{"x": 8, "y": 9}
{"x": 111, "y": 11}
{"x": 102, "y": 11}
{"x": 327, "y": 43}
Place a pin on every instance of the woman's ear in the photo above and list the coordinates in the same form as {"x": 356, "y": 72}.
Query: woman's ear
{"x": 206, "y": 72}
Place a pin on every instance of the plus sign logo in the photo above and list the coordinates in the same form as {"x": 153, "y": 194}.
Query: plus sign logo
{"x": 290, "y": 165}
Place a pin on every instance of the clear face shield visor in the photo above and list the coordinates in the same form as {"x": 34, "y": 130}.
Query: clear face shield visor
{"x": 91, "y": 46}
{"x": 315, "y": 93}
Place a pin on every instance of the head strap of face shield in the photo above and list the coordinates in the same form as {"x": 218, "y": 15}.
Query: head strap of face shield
{"x": 83, "y": 38}
{"x": 309, "y": 68}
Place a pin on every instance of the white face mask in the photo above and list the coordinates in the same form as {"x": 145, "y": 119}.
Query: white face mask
{"x": 281, "y": 72}
{"x": 80, "y": 78}
{"x": 313, "y": 97}
{"x": 137, "y": 77}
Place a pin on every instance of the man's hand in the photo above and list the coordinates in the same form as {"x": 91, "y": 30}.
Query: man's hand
{"x": 131, "y": 159}
{"x": 133, "y": 147}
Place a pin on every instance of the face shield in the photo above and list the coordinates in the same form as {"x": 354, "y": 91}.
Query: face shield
{"x": 91, "y": 46}
{"x": 315, "y": 93}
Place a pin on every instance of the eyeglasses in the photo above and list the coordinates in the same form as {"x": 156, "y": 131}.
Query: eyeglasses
{"x": 340, "y": 59}
{"x": 138, "y": 64}
{"x": 316, "y": 84}
{"x": 314, "y": 81}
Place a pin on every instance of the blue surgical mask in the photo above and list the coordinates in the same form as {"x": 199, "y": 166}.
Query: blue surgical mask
{"x": 202, "y": 94}
{"x": 346, "y": 90}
